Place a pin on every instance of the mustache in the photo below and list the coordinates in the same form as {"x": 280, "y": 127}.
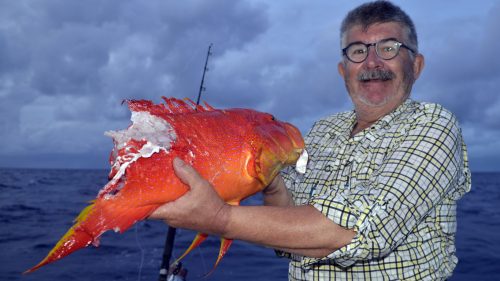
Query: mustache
{"x": 376, "y": 74}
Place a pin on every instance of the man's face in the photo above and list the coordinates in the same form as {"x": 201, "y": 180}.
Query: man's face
{"x": 381, "y": 94}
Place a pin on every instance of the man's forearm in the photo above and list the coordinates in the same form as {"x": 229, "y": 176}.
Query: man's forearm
{"x": 298, "y": 229}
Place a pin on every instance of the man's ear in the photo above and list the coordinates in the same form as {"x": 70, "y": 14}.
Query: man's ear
{"x": 341, "y": 68}
{"x": 418, "y": 65}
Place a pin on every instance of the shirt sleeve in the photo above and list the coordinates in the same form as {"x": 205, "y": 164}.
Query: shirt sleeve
{"x": 426, "y": 166}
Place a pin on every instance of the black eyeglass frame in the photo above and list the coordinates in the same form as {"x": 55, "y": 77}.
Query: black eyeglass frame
{"x": 399, "y": 44}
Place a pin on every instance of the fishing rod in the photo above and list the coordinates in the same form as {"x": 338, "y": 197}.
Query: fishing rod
{"x": 205, "y": 69}
{"x": 169, "y": 241}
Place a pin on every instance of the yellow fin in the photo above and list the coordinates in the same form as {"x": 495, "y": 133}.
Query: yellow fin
{"x": 224, "y": 246}
{"x": 200, "y": 237}
{"x": 85, "y": 212}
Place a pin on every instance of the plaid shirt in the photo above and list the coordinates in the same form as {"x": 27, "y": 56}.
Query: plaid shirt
{"x": 396, "y": 184}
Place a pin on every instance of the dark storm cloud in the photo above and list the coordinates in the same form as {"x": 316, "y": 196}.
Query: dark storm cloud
{"x": 463, "y": 74}
{"x": 66, "y": 65}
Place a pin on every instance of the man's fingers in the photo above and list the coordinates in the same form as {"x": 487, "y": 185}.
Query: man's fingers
{"x": 187, "y": 175}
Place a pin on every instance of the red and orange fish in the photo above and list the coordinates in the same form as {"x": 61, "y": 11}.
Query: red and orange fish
{"x": 239, "y": 151}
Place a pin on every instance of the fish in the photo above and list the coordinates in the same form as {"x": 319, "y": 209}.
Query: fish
{"x": 239, "y": 151}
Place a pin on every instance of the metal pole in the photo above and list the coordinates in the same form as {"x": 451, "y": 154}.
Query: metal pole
{"x": 169, "y": 242}
{"x": 167, "y": 253}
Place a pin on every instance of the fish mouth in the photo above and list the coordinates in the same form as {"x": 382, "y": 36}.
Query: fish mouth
{"x": 295, "y": 137}
{"x": 301, "y": 164}
{"x": 295, "y": 147}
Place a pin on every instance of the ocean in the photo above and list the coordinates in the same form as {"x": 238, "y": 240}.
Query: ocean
{"x": 37, "y": 207}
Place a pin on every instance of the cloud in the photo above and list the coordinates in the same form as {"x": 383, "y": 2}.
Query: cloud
{"x": 65, "y": 67}
{"x": 463, "y": 72}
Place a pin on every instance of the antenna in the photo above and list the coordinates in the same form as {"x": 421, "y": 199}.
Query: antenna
{"x": 205, "y": 69}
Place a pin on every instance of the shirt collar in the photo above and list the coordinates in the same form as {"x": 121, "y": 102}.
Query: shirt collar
{"x": 406, "y": 106}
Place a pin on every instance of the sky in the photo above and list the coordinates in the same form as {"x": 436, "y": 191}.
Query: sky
{"x": 66, "y": 66}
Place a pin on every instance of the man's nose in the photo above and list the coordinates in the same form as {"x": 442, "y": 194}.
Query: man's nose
{"x": 373, "y": 60}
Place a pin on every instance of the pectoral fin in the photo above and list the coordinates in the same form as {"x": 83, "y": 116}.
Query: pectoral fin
{"x": 253, "y": 166}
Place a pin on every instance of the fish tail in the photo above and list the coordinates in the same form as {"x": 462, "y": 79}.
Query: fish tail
{"x": 91, "y": 223}
{"x": 75, "y": 238}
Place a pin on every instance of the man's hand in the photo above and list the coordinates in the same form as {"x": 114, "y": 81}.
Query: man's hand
{"x": 276, "y": 193}
{"x": 200, "y": 209}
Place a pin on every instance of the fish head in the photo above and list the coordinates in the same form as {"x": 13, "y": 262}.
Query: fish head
{"x": 275, "y": 144}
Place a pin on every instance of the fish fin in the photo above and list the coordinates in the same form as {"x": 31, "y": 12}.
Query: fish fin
{"x": 85, "y": 212}
{"x": 92, "y": 221}
{"x": 200, "y": 237}
{"x": 143, "y": 105}
{"x": 208, "y": 107}
{"x": 79, "y": 240}
{"x": 77, "y": 237}
{"x": 253, "y": 167}
{"x": 171, "y": 106}
{"x": 200, "y": 108}
{"x": 234, "y": 203}
{"x": 176, "y": 106}
{"x": 224, "y": 246}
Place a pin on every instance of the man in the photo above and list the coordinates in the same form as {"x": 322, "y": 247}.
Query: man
{"x": 378, "y": 199}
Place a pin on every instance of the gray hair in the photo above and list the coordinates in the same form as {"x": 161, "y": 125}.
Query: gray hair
{"x": 379, "y": 12}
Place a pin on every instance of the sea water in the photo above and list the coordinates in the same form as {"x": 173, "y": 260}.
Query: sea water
{"x": 38, "y": 206}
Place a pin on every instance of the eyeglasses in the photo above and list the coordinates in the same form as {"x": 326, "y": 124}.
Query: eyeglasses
{"x": 385, "y": 49}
